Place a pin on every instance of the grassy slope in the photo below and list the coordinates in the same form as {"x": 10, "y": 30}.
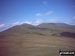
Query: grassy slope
{"x": 22, "y": 41}
{"x": 58, "y": 26}
{"x": 34, "y": 45}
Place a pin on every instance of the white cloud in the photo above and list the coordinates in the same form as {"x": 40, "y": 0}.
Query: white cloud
{"x": 28, "y": 22}
{"x": 49, "y": 20}
{"x": 45, "y": 14}
{"x": 2, "y": 25}
{"x": 49, "y": 12}
{"x": 38, "y": 14}
{"x": 54, "y": 20}
{"x": 19, "y": 23}
{"x": 37, "y": 21}
{"x": 16, "y": 23}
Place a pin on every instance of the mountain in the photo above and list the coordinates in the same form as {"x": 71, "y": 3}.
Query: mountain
{"x": 48, "y": 29}
{"x": 42, "y": 40}
{"x": 57, "y": 26}
{"x": 60, "y": 29}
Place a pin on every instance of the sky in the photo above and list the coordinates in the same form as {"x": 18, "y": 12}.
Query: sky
{"x": 17, "y": 12}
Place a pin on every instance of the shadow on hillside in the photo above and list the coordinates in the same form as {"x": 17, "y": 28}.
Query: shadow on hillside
{"x": 67, "y": 34}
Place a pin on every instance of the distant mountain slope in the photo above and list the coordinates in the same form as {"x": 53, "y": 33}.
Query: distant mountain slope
{"x": 58, "y": 26}
{"x": 45, "y": 29}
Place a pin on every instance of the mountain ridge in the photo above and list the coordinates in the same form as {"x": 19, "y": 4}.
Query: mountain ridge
{"x": 48, "y": 29}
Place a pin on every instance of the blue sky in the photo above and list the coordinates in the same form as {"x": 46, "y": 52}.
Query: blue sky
{"x": 16, "y": 12}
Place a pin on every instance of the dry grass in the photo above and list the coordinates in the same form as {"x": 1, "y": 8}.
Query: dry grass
{"x": 34, "y": 45}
